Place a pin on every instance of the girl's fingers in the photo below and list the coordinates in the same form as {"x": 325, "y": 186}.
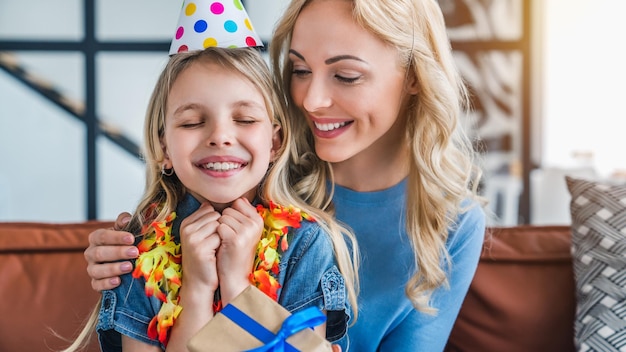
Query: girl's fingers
{"x": 242, "y": 217}
{"x": 243, "y": 206}
{"x": 200, "y": 224}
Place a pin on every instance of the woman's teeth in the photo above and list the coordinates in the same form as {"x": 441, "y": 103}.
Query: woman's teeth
{"x": 223, "y": 166}
{"x": 329, "y": 126}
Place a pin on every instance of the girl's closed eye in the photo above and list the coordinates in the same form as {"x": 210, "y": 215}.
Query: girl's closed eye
{"x": 191, "y": 124}
{"x": 188, "y": 116}
{"x": 249, "y": 113}
{"x": 245, "y": 120}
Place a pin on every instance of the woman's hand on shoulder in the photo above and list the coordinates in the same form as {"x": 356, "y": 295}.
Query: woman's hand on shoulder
{"x": 108, "y": 248}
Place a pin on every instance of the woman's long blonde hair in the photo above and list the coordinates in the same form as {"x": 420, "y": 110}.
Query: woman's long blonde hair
{"x": 168, "y": 190}
{"x": 443, "y": 170}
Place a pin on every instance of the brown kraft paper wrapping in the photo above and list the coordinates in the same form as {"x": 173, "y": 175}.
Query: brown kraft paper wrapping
{"x": 223, "y": 334}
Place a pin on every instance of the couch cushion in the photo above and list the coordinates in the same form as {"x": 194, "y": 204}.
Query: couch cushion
{"x": 599, "y": 250}
{"x": 522, "y": 296}
{"x": 44, "y": 286}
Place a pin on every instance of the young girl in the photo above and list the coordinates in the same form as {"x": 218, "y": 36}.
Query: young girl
{"x": 217, "y": 144}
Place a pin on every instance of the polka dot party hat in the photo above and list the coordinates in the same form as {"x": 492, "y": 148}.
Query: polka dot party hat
{"x": 221, "y": 23}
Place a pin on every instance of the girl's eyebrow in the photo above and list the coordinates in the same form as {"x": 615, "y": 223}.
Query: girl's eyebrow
{"x": 329, "y": 61}
{"x": 237, "y": 104}
{"x": 248, "y": 103}
{"x": 185, "y": 107}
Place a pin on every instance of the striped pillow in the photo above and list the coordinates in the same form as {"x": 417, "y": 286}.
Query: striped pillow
{"x": 598, "y": 213}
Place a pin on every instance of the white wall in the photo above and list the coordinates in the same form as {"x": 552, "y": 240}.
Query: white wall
{"x": 580, "y": 95}
{"x": 43, "y": 169}
{"x": 584, "y": 58}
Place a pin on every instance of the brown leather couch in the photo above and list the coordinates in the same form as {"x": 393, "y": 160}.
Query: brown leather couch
{"x": 45, "y": 292}
{"x": 522, "y": 298}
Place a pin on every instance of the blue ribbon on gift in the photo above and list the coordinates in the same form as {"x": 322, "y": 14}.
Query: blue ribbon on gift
{"x": 307, "y": 318}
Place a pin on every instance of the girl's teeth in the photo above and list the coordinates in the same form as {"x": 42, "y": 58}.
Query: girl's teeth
{"x": 224, "y": 166}
{"x": 329, "y": 126}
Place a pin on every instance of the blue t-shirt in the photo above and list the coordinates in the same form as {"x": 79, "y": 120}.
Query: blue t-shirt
{"x": 387, "y": 320}
{"x": 308, "y": 275}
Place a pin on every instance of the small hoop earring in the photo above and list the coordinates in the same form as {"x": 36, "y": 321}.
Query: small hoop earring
{"x": 166, "y": 172}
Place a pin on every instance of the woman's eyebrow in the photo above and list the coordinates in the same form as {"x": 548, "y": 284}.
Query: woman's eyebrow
{"x": 295, "y": 53}
{"x": 337, "y": 58}
{"x": 329, "y": 61}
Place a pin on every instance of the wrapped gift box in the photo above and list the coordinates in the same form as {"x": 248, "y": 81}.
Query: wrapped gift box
{"x": 253, "y": 320}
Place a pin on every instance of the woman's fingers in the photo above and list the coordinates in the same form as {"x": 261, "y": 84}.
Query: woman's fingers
{"x": 107, "y": 247}
{"x": 105, "y": 276}
{"x": 95, "y": 255}
{"x": 110, "y": 237}
{"x": 121, "y": 221}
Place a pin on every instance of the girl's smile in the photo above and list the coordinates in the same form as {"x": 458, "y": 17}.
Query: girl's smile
{"x": 221, "y": 166}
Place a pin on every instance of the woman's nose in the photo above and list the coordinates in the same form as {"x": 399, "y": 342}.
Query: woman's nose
{"x": 317, "y": 95}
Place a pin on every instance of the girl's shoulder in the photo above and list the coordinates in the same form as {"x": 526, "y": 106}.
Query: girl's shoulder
{"x": 295, "y": 229}
{"x": 309, "y": 236}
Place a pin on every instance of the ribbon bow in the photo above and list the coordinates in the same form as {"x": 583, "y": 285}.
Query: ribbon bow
{"x": 307, "y": 318}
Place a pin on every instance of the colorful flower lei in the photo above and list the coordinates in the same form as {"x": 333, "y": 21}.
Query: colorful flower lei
{"x": 160, "y": 258}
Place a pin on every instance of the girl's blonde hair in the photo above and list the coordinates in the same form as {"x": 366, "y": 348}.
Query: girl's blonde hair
{"x": 442, "y": 170}
{"x": 168, "y": 190}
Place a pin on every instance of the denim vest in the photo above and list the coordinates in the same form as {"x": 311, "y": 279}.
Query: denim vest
{"x": 308, "y": 276}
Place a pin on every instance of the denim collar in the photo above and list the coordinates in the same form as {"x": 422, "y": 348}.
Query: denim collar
{"x": 185, "y": 207}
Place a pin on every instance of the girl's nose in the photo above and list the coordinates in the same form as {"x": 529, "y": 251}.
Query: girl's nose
{"x": 220, "y": 134}
{"x": 317, "y": 95}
